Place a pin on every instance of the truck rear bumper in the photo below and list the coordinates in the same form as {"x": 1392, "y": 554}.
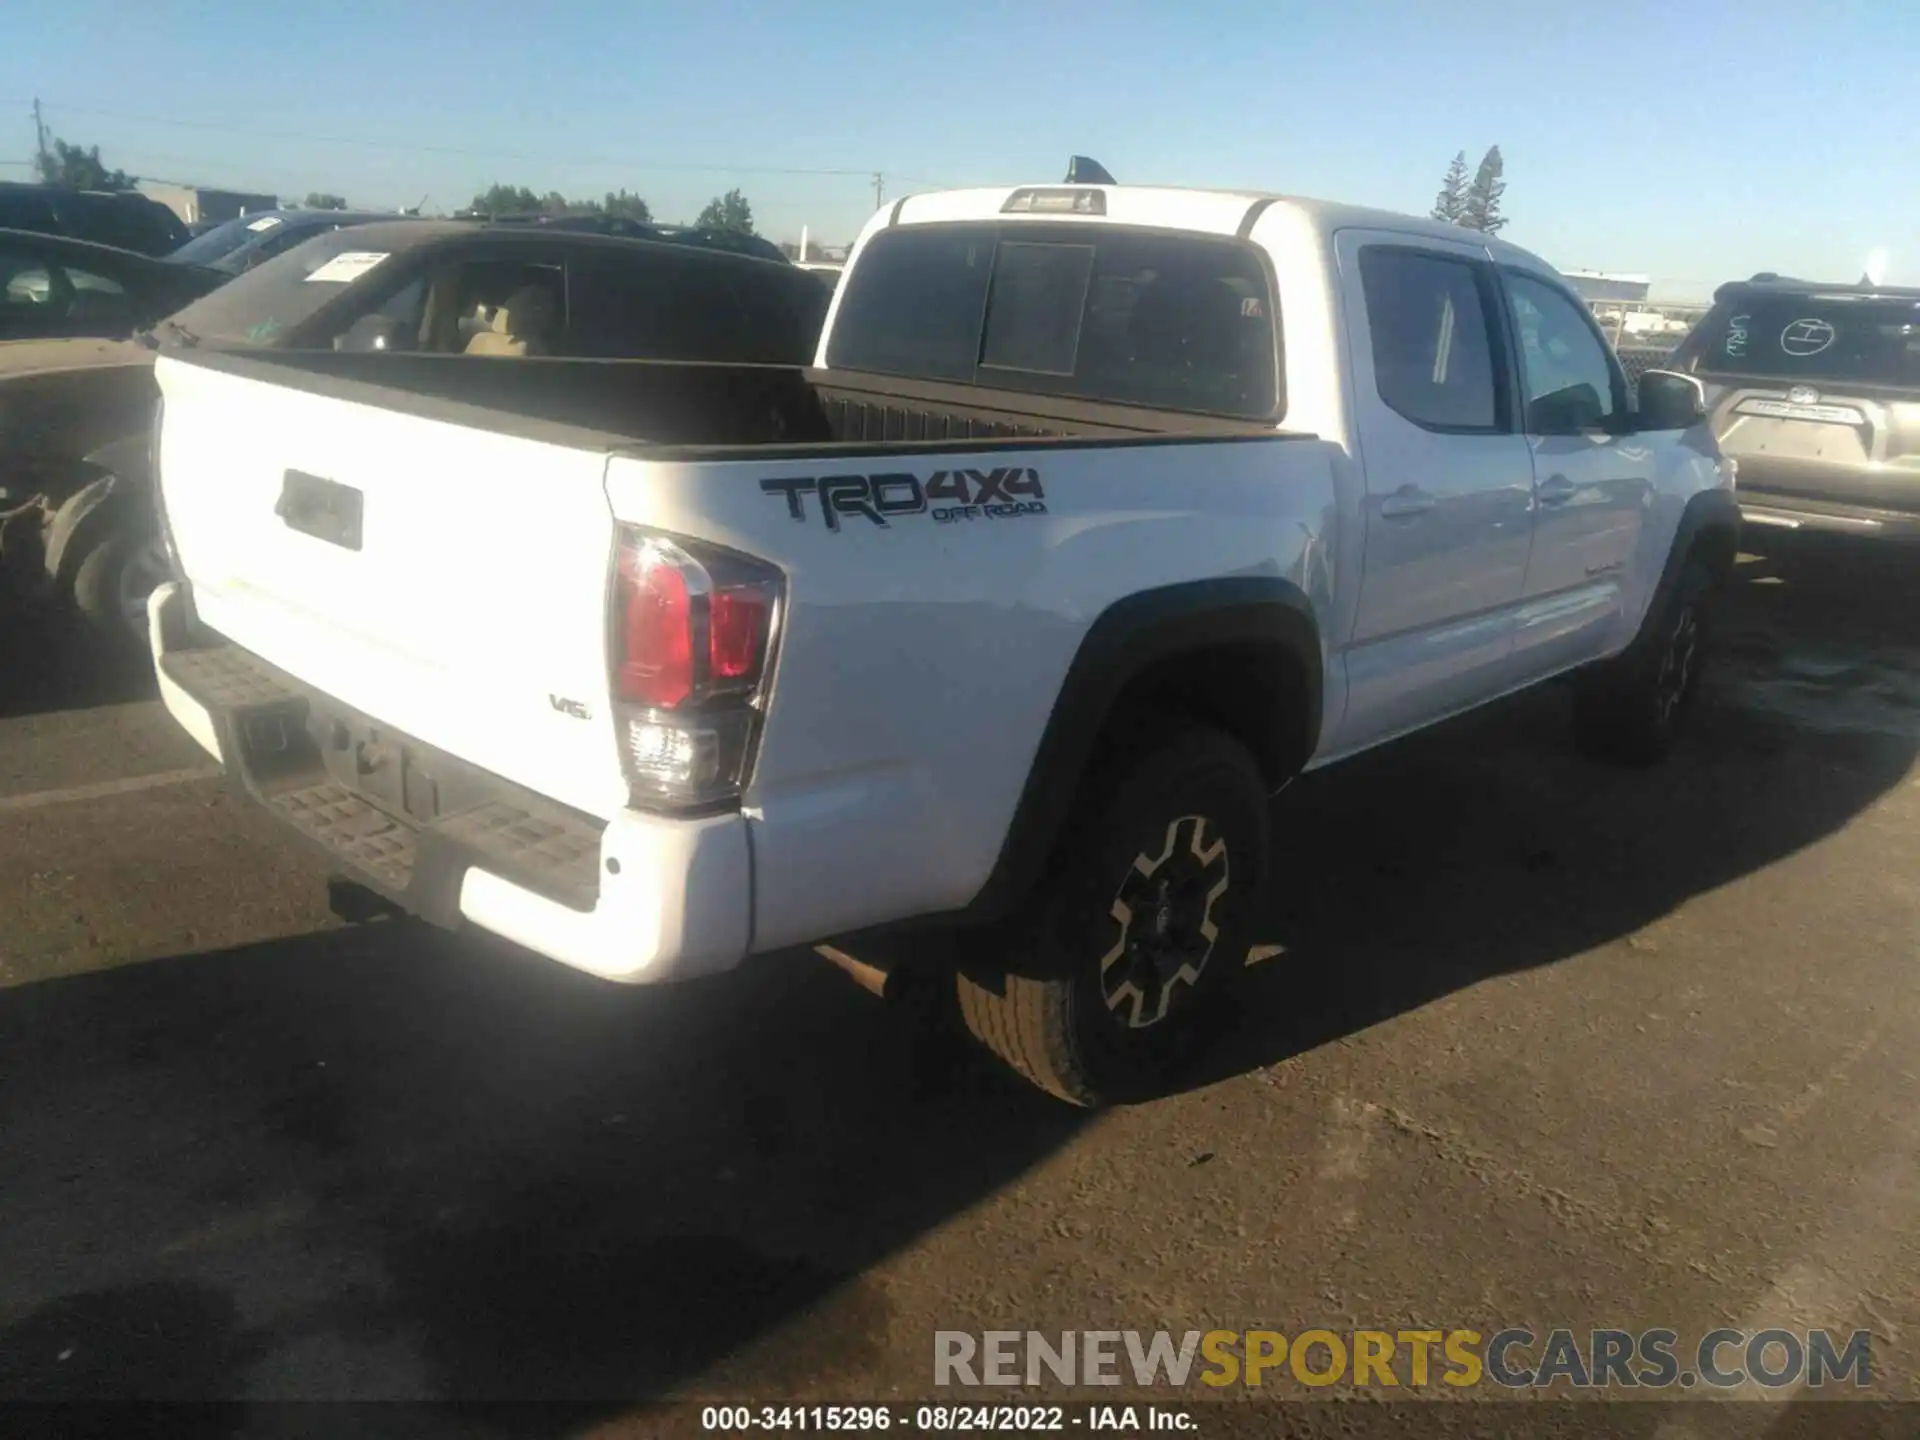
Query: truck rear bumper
{"x": 637, "y": 899}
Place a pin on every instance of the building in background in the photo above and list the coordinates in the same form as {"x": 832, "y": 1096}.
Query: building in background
{"x": 1620, "y": 304}
{"x": 1595, "y": 285}
{"x": 199, "y": 205}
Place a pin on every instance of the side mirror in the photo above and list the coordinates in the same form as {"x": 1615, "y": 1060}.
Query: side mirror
{"x": 369, "y": 332}
{"x": 1670, "y": 401}
{"x": 1567, "y": 411}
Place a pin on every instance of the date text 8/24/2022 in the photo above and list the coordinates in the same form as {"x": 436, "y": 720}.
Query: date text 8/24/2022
{"x": 944, "y": 1419}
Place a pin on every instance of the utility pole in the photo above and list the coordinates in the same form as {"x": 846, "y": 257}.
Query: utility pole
{"x": 41, "y": 165}
{"x": 879, "y": 189}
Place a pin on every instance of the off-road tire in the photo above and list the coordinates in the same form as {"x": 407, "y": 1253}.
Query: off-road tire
{"x": 99, "y": 593}
{"x": 1629, "y": 711}
{"x": 1170, "y": 840}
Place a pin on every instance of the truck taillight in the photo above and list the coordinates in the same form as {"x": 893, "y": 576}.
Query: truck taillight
{"x": 656, "y": 630}
{"x": 693, "y": 629}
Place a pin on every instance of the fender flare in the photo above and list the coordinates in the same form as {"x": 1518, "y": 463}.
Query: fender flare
{"x": 1711, "y": 520}
{"x": 1132, "y": 635}
{"x": 120, "y": 491}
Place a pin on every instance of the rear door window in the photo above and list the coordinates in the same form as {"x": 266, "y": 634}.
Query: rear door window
{"x": 1813, "y": 337}
{"x": 30, "y": 292}
{"x": 1126, "y": 316}
{"x": 1430, "y": 328}
{"x": 26, "y": 209}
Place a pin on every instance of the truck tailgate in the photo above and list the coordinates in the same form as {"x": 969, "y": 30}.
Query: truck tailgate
{"x": 446, "y": 580}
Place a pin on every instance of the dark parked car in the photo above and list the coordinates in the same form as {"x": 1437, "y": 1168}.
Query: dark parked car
{"x": 1814, "y": 390}
{"x": 439, "y": 286}
{"x": 432, "y": 291}
{"x": 239, "y": 245}
{"x": 739, "y": 242}
{"x": 708, "y": 237}
{"x": 53, "y": 287}
{"x": 123, "y": 218}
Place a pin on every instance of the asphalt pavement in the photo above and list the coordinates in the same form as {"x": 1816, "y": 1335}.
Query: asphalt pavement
{"x": 1544, "y": 1044}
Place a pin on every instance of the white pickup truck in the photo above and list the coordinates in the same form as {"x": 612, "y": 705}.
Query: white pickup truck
{"x": 1104, "y": 512}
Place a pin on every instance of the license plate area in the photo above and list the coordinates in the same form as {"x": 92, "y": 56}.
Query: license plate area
{"x": 324, "y": 509}
{"x": 397, "y": 775}
{"x": 1790, "y": 410}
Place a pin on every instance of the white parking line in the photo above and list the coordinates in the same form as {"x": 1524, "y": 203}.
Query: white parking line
{"x": 40, "y": 799}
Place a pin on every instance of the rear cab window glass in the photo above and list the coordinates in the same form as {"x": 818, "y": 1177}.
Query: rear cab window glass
{"x": 1125, "y": 316}
{"x": 1035, "y": 306}
{"x": 1431, "y": 333}
{"x": 1864, "y": 339}
{"x": 914, "y": 304}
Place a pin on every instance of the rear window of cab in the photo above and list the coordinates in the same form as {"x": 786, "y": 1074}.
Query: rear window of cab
{"x": 1173, "y": 320}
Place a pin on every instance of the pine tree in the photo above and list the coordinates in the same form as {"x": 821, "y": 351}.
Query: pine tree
{"x": 1451, "y": 203}
{"x": 1482, "y": 211}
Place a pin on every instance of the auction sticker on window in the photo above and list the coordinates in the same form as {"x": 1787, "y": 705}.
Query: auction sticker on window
{"x": 347, "y": 266}
{"x": 266, "y": 222}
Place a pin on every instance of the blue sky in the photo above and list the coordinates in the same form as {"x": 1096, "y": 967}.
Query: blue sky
{"x": 1692, "y": 140}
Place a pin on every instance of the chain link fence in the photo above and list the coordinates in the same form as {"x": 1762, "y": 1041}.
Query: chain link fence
{"x": 1636, "y": 360}
{"x": 1627, "y": 324}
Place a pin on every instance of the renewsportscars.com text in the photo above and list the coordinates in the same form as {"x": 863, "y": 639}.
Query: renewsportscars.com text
{"x": 1516, "y": 1359}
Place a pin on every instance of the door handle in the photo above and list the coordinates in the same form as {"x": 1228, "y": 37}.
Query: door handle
{"x": 1407, "y": 501}
{"x": 1556, "y": 490}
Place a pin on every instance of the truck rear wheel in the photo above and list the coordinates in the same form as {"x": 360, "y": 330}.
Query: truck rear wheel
{"x": 1629, "y": 711}
{"x": 1121, "y": 967}
{"x": 111, "y": 586}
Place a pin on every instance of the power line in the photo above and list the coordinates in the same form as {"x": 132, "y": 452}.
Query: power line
{"x": 467, "y": 151}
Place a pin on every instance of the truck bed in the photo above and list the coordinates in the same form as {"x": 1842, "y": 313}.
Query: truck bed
{"x": 684, "y": 410}
{"x": 426, "y": 551}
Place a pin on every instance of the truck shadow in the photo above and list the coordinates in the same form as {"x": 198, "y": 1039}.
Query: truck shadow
{"x": 402, "y": 1165}
{"x": 385, "y": 1163}
{"x": 49, "y": 661}
{"x": 1488, "y": 846}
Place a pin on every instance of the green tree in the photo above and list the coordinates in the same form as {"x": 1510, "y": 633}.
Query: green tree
{"x": 520, "y": 200}
{"x": 506, "y": 200}
{"x": 624, "y": 202}
{"x": 1482, "y": 210}
{"x": 1451, "y": 204}
{"x": 79, "y": 168}
{"x": 728, "y": 212}
{"x": 320, "y": 200}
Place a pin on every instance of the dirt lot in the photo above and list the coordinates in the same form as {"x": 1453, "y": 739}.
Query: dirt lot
{"x": 1547, "y": 1044}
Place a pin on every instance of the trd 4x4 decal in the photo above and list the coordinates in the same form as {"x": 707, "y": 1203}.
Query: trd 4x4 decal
{"x": 948, "y": 495}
